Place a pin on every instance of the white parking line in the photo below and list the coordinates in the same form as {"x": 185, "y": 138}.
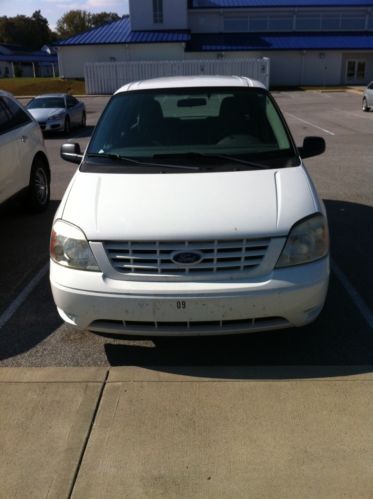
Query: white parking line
{"x": 13, "y": 307}
{"x": 354, "y": 295}
{"x": 310, "y": 124}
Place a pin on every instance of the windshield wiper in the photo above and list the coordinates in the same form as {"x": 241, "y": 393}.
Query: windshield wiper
{"x": 197, "y": 155}
{"x": 119, "y": 157}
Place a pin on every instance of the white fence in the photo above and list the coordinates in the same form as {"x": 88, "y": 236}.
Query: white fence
{"x": 106, "y": 77}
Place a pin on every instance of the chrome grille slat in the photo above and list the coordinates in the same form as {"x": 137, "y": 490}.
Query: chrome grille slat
{"x": 155, "y": 257}
{"x": 239, "y": 255}
{"x": 180, "y": 246}
{"x": 167, "y": 266}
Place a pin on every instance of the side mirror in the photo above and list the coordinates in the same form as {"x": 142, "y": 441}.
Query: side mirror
{"x": 312, "y": 146}
{"x": 71, "y": 152}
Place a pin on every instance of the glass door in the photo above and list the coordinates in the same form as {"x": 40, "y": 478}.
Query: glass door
{"x": 355, "y": 71}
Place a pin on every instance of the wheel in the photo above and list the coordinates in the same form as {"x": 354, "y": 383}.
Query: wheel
{"x": 38, "y": 193}
{"x": 365, "y": 106}
{"x": 67, "y": 127}
{"x": 84, "y": 120}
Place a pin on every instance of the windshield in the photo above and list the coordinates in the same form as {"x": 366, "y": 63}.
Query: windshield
{"x": 47, "y": 103}
{"x": 197, "y": 122}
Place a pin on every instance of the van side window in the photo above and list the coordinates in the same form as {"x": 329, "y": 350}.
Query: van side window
{"x": 18, "y": 115}
{"x": 4, "y": 117}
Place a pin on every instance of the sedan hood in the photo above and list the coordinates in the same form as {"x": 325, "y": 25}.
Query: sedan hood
{"x": 189, "y": 206}
{"x": 44, "y": 114}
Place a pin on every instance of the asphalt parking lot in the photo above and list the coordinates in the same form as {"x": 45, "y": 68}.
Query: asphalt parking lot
{"x": 32, "y": 334}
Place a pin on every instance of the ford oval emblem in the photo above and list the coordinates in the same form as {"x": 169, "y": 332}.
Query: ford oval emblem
{"x": 186, "y": 258}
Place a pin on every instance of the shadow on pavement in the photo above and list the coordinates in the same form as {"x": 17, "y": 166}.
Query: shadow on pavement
{"x": 340, "y": 337}
{"x": 24, "y": 247}
{"x": 351, "y": 232}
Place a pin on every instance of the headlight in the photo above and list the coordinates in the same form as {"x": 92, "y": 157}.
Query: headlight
{"x": 308, "y": 241}
{"x": 69, "y": 247}
{"x": 57, "y": 116}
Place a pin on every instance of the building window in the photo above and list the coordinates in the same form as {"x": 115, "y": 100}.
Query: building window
{"x": 280, "y": 23}
{"x": 258, "y": 23}
{"x": 352, "y": 22}
{"x": 308, "y": 22}
{"x": 355, "y": 71}
{"x": 158, "y": 11}
{"x": 239, "y": 24}
{"x": 331, "y": 22}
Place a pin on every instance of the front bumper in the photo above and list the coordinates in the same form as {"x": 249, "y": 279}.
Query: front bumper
{"x": 287, "y": 297}
{"x": 53, "y": 125}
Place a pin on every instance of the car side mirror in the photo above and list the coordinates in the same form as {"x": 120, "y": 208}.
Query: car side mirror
{"x": 71, "y": 152}
{"x": 312, "y": 146}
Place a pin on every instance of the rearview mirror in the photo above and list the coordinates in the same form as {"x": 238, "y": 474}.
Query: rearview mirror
{"x": 312, "y": 146}
{"x": 71, "y": 152}
{"x": 194, "y": 102}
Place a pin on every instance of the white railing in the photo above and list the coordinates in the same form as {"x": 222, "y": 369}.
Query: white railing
{"x": 107, "y": 77}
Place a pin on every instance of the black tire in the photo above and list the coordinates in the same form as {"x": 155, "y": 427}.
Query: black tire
{"x": 365, "y": 106}
{"x": 84, "y": 120}
{"x": 67, "y": 126}
{"x": 38, "y": 192}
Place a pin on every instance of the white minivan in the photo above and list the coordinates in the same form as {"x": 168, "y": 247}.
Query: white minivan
{"x": 191, "y": 213}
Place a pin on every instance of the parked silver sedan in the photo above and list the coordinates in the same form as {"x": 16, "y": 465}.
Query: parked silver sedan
{"x": 367, "y": 102}
{"x": 57, "y": 112}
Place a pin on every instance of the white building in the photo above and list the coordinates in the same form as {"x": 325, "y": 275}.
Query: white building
{"x": 309, "y": 42}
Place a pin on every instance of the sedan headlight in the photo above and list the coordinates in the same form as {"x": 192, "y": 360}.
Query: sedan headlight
{"x": 57, "y": 116}
{"x": 308, "y": 241}
{"x": 69, "y": 247}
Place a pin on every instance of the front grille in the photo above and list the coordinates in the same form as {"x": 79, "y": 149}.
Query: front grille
{"x": 219, "y": 326}
{"x": 215, "y": 257}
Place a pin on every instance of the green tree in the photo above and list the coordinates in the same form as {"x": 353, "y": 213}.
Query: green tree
{"x": 31, "y": 32}
{"x": 103, "y": 18}
{"x": 41, "y": 31}
{"x": 72, "y": 23}
{"x": 77, "y": 21}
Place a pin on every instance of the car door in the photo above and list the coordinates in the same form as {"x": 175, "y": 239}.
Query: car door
{"x": 8, "y": 154}
{"x": 369, "y": 94}
{"x": 74, "y": 110}
{"x": 21, "y": 131}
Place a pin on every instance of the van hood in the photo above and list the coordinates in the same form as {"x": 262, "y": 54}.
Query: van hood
{"x": 190, "y": 205}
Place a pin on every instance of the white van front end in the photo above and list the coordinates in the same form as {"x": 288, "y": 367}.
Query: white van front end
{"x": 235, "y": 226}
{"x": 202, "y": 243}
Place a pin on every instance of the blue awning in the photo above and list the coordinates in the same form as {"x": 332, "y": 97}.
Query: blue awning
{"x": 120, "y": 32}
{"x": 38, "y": 59}
{"x": 279, "y": 41}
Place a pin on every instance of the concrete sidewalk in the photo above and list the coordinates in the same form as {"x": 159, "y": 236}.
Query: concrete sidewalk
{"x": 233, "y": 432}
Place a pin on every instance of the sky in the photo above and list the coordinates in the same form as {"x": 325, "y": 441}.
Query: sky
{"x": 54, "y": 9}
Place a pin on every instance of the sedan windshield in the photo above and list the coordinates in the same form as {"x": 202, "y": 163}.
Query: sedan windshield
{"x": 192, "y": 125}
{"x": 47, "y": 103}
